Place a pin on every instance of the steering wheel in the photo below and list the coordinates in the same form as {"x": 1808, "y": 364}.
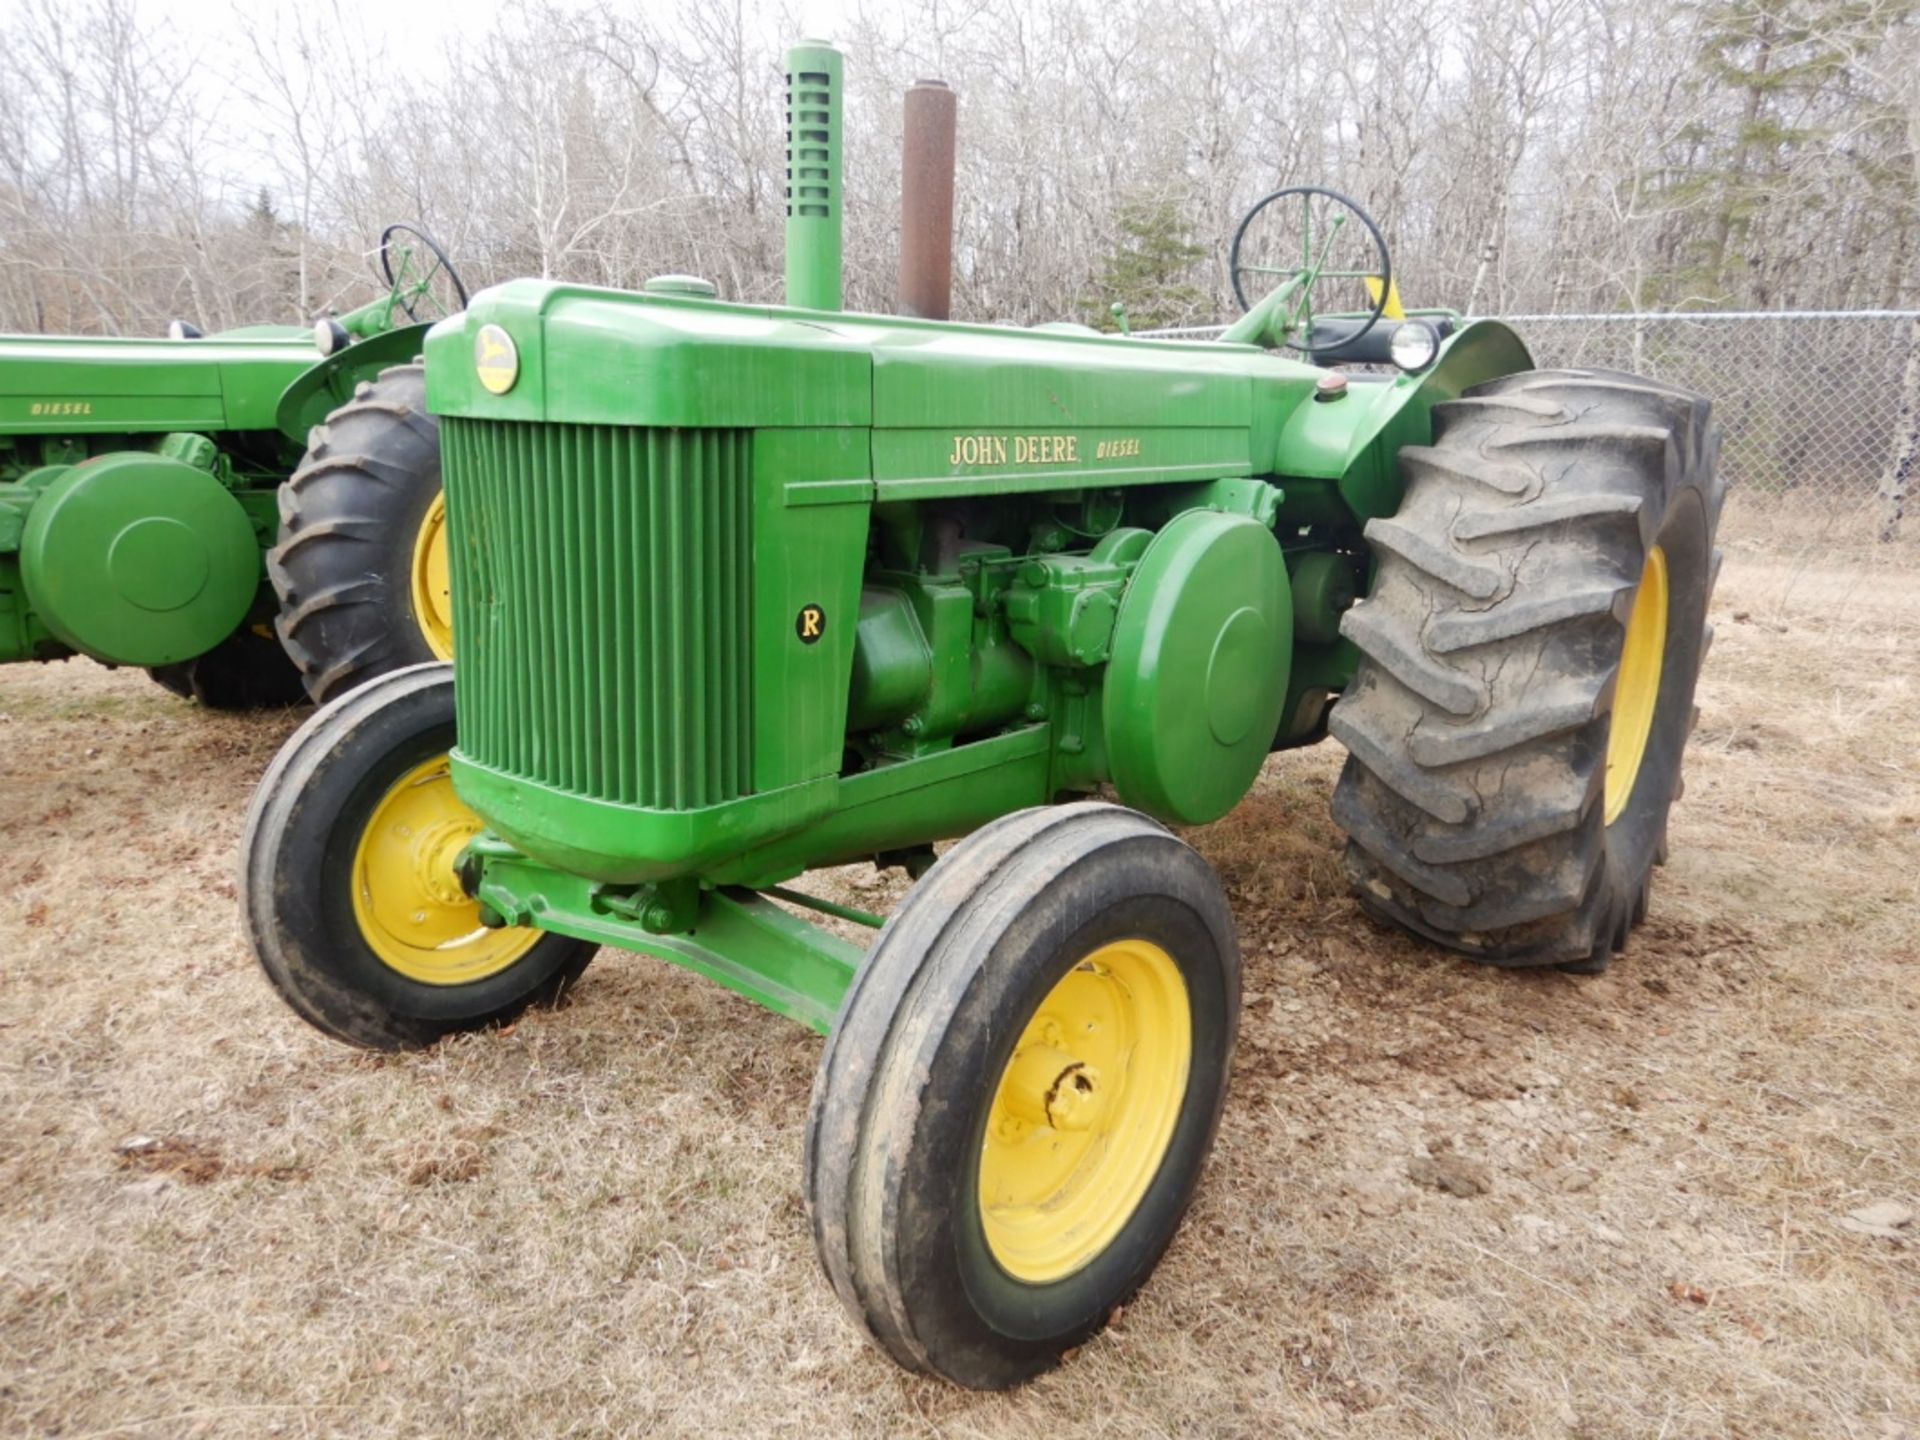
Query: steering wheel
{"x": 1305, "y": 241}
{"x": 397, "y": 263}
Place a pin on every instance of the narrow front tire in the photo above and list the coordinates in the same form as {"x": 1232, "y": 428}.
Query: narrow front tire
{"x": 1011, "y": 1117}
{"x": 351, "y": 900}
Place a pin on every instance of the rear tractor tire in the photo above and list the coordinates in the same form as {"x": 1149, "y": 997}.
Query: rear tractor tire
{"x": 351, "y": 900}
{"x": 1011, "y": 1116}
{"x": 361, "y": 563}
{"x": 246, "y": 671}
{"x": 1529, "y": 652}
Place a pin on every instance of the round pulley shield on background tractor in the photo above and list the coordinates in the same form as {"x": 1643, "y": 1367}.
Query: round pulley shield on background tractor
{"x": 139, "y": 559}
{"x": 1199, "y": 666}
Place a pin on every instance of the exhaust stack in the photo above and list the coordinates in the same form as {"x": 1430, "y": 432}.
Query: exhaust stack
{"x": 926, "y": 202}
{"x": 814, "y": 78}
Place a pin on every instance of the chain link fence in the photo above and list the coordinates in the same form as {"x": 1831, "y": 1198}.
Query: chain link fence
{"x": 1817, "y": 408}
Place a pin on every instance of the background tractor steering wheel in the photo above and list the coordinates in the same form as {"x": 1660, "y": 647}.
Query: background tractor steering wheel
{"x": 1309, "y": 236}
{"x": 407, "y": 283}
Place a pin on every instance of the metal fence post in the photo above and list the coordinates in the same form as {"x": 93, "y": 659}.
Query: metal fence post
{"x": 1906, "y": 443}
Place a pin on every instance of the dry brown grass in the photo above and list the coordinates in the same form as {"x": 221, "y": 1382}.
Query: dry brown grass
{"x": 592, "y": 1224}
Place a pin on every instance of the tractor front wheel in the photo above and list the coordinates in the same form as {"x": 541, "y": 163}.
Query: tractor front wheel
{"x": 361, "y": 563}
{"x": 1011, "y": 1116}
{"x": 352, "y": 902}
{"x": 1528, "y": 657}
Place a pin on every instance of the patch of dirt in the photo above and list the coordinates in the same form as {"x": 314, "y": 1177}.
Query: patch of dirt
{"x": 1674, "y": 1198}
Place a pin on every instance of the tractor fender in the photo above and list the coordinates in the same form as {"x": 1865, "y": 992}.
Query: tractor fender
{"x": 1355, "y": 440}
{"x": 323, "y": 389}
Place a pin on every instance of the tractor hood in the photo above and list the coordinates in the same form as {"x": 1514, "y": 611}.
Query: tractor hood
{"x": 62, "y": 384}
{"x": 946, "y": 409}
{"x": 989, "y": 409}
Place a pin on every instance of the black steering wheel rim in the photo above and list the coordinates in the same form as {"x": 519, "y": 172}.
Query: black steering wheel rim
{"x": 1373, "y": 231}
{"x": 386, "y": 261}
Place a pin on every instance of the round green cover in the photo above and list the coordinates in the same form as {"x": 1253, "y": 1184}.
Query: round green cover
{"x": 1201, "y": 651}
{"x": 1322, "y": 593}
{"x": 138, "y": 559}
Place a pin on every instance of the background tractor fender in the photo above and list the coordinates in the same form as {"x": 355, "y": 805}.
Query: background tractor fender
{"x": 1355, "y": 440}
{"x": 329, "y": 384}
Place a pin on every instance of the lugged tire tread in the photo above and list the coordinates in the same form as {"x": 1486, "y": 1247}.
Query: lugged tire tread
{"x": 1507, "y": 479}
{"x": 1479, "y": 825}
{"x": 338, "y": 595}
{"x": 1559, "y": 510}
{"x": 1468, "y": 629}
{"x": 1509, "y": 401}
{"x": 1600, "y": 435}
{"x": 1368, "y": 831}
{"x": 1400, "y": 774}
{"x": 1541, "y": 821}
{"x": 1402, "y": 657}
{"x": 1435, "y": 745}
{"x": 1469, "y": 577}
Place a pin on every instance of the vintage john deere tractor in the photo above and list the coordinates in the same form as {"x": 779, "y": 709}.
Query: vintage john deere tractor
{"x": 743, "y": 591}
{"x": 143, "y": 481}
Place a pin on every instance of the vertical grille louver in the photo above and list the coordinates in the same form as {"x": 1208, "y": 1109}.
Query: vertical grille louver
{"x": 602, "y": 588}
{"x": 810, "y": 138}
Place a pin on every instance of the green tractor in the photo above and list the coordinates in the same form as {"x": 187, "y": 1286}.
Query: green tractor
{"x": 745, "y": 591}
{"x": 156, "y": 494}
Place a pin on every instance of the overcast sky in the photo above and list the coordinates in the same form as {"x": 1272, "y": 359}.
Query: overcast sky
{"x": 417, "y": 27}
{"x": 216, "y": 33}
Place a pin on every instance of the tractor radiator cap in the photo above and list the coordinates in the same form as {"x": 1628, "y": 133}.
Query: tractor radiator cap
{"x": 139, "y": 559}
{"x": 1201, "y": 651}
{"x": 691, "y": 286}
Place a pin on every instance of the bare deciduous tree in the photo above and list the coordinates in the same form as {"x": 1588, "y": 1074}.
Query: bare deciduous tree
{"x": 1584, "y": 154}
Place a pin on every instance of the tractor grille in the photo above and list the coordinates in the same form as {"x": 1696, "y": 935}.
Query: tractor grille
{"x": 601, "y": 583}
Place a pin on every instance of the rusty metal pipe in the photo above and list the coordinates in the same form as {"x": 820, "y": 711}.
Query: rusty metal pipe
{"x": 926, "y": 202}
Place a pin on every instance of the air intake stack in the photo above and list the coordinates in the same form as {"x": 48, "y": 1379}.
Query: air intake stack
{"x": 814, "y": 78}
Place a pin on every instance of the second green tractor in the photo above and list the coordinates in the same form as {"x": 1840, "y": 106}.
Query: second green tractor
{"x": 744, "y": 591}
{"x": 251, "y": 515}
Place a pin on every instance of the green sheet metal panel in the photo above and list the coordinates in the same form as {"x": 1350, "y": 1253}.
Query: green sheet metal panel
{"x": 607, "y": 357}
{"x": 62, "y": 385}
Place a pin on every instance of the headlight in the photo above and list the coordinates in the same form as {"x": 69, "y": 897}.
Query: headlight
{"x": 329, "y": 335}
{"x": 1415, "y": 344}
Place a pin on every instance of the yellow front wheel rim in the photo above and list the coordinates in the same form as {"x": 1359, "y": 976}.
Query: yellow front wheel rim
{"x": 1084, "y": 1112}
{"x": 408, "y": 901}
{"x": 1636, "y": 690}
{"x": 432, "y": 581}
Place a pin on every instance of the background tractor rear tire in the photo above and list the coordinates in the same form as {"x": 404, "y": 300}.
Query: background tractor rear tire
{"x": 355, "y": 521}
{"x": 1497, "y": 680}
{"x": 321, "y": 838}
{"x": 973, "y": 1220}
{"x": 246, "y": 671}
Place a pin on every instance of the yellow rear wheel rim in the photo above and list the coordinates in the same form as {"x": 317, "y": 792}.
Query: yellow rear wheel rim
{"x": 432, "y": 581}
{"x": 1084, "y": 1112}
{"x": 408, "y": 901}
{"x": 1636, "y": 690}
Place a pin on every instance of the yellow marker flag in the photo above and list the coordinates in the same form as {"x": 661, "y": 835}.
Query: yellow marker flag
{"x": 1394, "y": 310}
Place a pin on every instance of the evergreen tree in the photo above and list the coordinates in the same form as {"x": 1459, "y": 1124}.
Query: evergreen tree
{"x": 1785, "y": 72}
{"x": 1151, "y": 271}
{"x": 262, "y": 216}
